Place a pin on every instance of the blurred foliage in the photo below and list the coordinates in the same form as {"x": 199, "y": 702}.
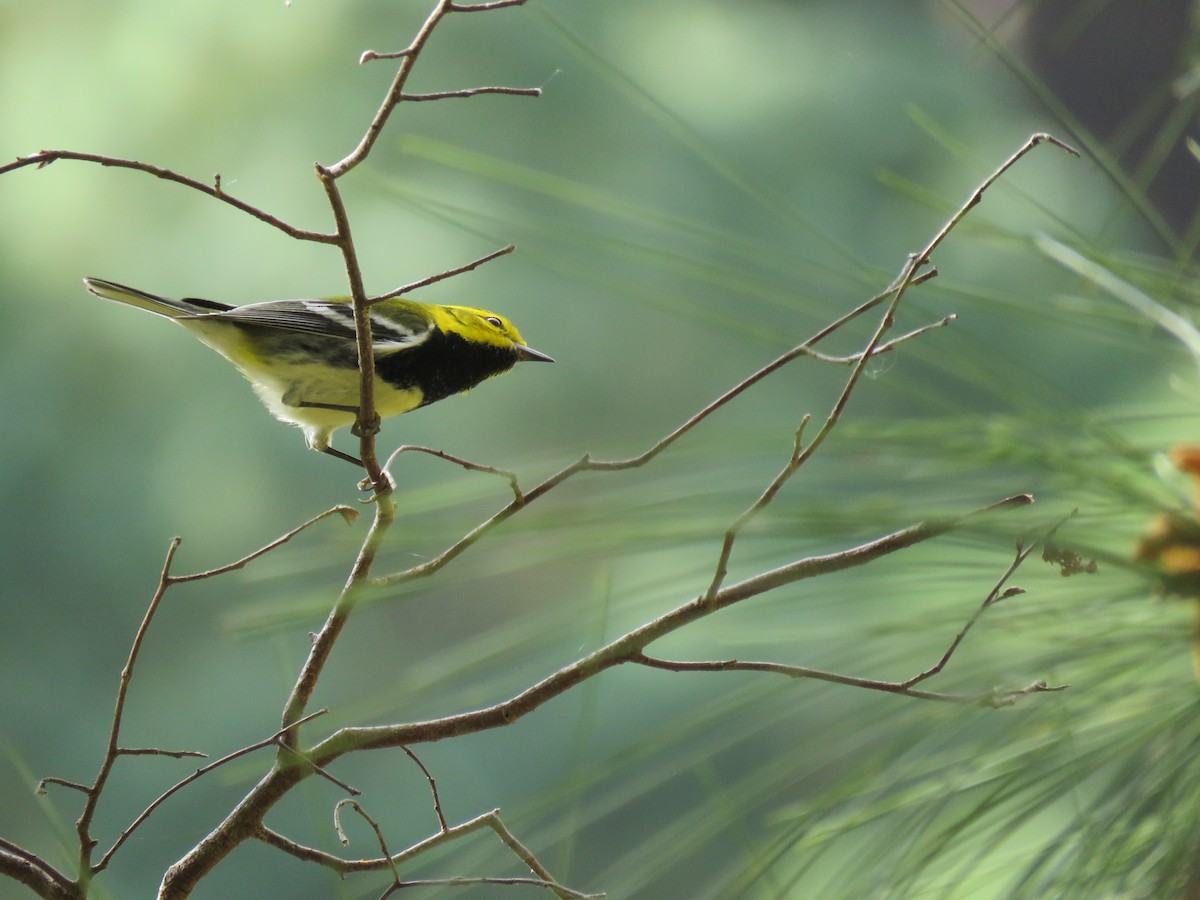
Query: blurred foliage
{"x": 703, "y": 184}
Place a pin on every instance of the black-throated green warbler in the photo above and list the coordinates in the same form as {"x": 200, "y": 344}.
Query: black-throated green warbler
{"x": 302, "y": 358}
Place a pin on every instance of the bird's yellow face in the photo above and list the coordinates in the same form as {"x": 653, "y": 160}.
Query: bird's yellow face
{"x": 477, "y": 325}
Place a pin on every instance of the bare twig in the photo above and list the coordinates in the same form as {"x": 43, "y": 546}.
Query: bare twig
{"x": 526, "y": 856}
{"x": 348, "y": 513}
{"x": 179, "y": 785}
{"x": 84, "y": 823}
{"x": 490, "y": 820}
{"x": 341, "y": 833}
{"x": 466, "y": 881}
{"x": 871, "y": 684}
{"x": 289, "y": 755}
{"x": 441, "y": 276}
{"x": 483, "y": 7}
{"x": 997, "y": 593}
{"x": 183, "y": 875}
{"x": 322, "y": 645}
{"x": 158, "y": 751}
{"x": 885, "y": 347}
{"x": 61, "y": 782}
{"x": 371, "y": 55}
{"x": 511, "y": 477}
{"x": 367, "y": 423}
{"x": 433, "y": 788}
{"x": 345, "y": 866}
{"x": 768, "y": 494}
{"x": 45, "y": 157}
{"x": 472, "y": 92}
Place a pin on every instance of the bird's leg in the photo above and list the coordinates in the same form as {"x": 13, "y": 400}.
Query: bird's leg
{"x": 313, "y": 404}
{"x": 333, "y": 451}
{"x": 292, "y": 400}
{"x": 373, "y": 428}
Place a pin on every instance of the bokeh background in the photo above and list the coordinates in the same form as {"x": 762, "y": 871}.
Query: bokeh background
{"x": 703, "y": 184}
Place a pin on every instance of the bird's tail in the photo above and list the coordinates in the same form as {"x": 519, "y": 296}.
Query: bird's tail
{"x": 162, "y": 306}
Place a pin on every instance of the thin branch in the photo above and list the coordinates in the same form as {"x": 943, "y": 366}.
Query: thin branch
{"x": 764, "y": 499}
{"x": 885, "y": 347}
{"x": 909, "y": 275}
{"x": 348, "y": 513}
{"x": 304, "y": 853}
{"x": 368, "y": 420}
{"x": 483, "y": 7}
{"x": 471, "y": 92}
{"x": 345, "y": 866}
{"x": 977, "y": 196}
{"x": 912, "y": 275}
{"x": 526, "y": 856}
{"x": 45, "y": 157}
{"x": 490, "y": 820}
{"x": 994, "y": 596}
{"x": 303, "y": 761}
{"x": 179, "y": 785}
{"x": 83, "y": 824}
{"x": 322, "y": 645}
{"x": 465, "y": 881}
{"x": 988, "y": 698}
{"x": 383, "y": 848}
{"x": 856, "y": 556}
{"x": 61, "y": 782}
{"x": 158, "y": 751}
{"x": 867, "y": 306}
{"x": 511, "y": 477}
{"x": 433, "y": 788}
{"x": 371, "y": 55}
{"x": 441, "y": 276}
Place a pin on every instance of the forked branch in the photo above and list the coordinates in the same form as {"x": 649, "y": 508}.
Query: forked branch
{"x": 114, "y": 750}
{"x": 907, "y": 687}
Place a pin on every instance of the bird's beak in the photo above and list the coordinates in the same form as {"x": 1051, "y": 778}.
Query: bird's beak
{"x": 528, "y": 354}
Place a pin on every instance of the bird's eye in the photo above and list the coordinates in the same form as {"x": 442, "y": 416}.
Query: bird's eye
{"x": 494, "y": 321}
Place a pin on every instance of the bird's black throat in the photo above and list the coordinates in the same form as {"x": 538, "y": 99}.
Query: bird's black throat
{"x": 443, "y": 364}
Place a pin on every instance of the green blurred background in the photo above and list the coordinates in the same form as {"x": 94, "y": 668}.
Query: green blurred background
{"x": 703, "y": 184}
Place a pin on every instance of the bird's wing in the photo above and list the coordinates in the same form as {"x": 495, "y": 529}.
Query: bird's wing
{"x": 330, "y": 318}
